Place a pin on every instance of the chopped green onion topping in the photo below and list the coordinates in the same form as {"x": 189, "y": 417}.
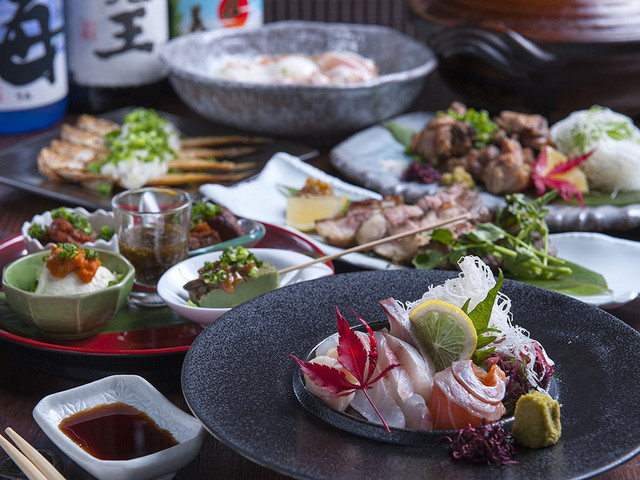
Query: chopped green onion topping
{"x": 480, "y": 120}
{"x": 77, "y": 220}
{"x": 204, "y": 210}
{"x": 37, "y": 231}
{"x": 143, "y": 130}
{"x": 231, "y": 259}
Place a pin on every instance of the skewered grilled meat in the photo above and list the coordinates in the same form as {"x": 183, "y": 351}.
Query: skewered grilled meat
{"x": 373, "y": 219}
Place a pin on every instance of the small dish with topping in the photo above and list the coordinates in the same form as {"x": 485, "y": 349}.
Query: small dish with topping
{"x": 73, "y": 225}
{"x": 214, "y": 227}
{"x": 68, "y": 292}
{"x": 215, "y": 301}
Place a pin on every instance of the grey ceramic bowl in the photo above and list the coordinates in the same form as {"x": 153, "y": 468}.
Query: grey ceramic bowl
{"x": 299, "y": 110}
{"x": 65, "y": 316}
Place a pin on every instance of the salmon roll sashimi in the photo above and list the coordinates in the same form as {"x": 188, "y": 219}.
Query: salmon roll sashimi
{"x": 464, "y": 394}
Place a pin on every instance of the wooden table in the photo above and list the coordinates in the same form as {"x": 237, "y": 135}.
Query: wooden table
{"x": 21, "y": 386}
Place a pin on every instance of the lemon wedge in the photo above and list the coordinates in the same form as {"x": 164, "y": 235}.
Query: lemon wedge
{"x": 575, "y": 176}
{"x": 303, "y": 211}
{"x": 443, "y": 332}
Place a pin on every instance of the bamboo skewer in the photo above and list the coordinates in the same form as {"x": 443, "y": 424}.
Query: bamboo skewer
{"x": 187, "y": 164}
{"x": 214, "y": 141}
{"x": 196, "y": 177}
{"x": 28, "y": 459}
{"x": 368, "y": 245}
{"x": 229, "y": 152}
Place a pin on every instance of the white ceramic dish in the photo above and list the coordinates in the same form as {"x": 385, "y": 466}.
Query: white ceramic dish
{"x": 98, "y": 219}
{"x": 136, "y": 392}
{"x": 289, "y": 171}
{"x": 170, "y": 285}
{"x": 614, "y": 258}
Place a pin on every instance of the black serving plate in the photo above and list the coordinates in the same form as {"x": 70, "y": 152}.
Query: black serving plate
{"x": 237, "y": 379}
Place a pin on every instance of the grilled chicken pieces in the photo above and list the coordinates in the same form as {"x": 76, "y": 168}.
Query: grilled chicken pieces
{"x": 504, "y": 165}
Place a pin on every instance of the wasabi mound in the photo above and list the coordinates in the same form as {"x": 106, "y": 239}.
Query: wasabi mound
{"x": 536, "y": 422}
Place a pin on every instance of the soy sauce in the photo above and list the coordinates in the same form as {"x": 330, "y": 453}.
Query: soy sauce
{"x": 116, "y": 432}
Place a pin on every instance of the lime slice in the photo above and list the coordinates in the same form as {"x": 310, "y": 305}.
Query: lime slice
{"x": 302, "y": 212}
{"x": 443, "y": 332}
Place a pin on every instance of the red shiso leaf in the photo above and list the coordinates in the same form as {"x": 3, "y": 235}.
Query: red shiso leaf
{"x": 421, "y": 172}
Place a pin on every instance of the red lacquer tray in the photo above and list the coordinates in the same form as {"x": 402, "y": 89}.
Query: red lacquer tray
{"x": 149, "y": 342}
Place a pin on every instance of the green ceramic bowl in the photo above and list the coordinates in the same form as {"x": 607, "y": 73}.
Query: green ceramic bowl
{"x": 65, "y": 316}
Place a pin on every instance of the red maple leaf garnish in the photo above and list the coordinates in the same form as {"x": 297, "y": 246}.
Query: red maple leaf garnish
{"x": 543, "y": 181}
{"x": 355, "y": 358}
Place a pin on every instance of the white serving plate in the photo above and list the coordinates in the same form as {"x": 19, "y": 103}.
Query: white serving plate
{"x": 170, "y": 285}
{"x": 262, "y": 199}
{"x": 614, "y": 258}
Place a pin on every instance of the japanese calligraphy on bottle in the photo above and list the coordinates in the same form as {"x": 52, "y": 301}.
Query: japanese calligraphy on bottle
{"x": 115, "y": 43}
{"x": 33, "y": 70}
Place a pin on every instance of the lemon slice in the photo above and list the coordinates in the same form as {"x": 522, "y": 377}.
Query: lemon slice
{"x": 302, "y": 212}
{"x": 443, "y": 332}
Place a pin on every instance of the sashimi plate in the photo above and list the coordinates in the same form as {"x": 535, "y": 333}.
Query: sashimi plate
{"x": 258, "y": 415}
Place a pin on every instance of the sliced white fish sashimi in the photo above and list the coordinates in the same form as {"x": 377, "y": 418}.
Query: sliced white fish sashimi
{"x": 337, "y": 403}
{"x": 399, "y": 323}
{"x": 420, "y": 370}
{"x": 381, "y": 395}
{"x": 413, "y": 405}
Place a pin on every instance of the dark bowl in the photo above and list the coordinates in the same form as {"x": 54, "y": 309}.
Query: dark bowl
{"x": 545, "y": 56}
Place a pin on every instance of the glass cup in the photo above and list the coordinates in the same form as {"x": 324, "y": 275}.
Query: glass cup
{"x": 152, "y": 225}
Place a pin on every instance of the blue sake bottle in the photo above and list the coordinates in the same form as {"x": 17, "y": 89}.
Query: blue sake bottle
{"x": 33, "y": 64}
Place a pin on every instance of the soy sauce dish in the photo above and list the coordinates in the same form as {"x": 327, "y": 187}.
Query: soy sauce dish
{"x": 84, "y": 412}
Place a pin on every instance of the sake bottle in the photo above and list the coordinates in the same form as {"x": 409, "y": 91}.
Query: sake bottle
{"x": 197, "y": 15}
{"x": 114, "y": 52}
{"x": 33, "y": 70}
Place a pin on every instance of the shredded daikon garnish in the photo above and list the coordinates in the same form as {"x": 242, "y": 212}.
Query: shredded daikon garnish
{"x": 474, "y": 282}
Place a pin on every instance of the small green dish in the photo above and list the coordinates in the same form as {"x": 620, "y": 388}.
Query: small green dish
{"x": 65, "y": 317}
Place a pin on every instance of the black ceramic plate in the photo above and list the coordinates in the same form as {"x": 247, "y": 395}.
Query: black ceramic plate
{"x": 18, "y": 162}
{"x": 237, "y": 379}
